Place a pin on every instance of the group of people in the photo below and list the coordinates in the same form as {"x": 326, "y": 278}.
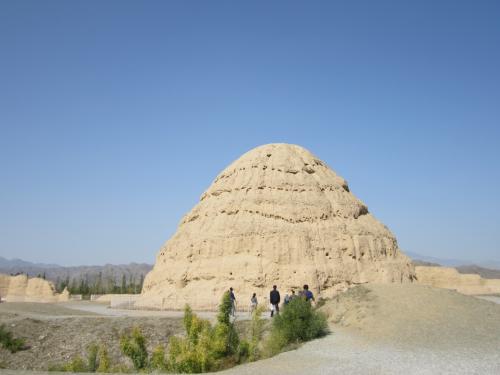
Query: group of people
{"x": 274, "y": 299}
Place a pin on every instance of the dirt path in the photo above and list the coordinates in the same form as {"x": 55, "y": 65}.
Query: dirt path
{"x": 103, "y": 310}
{"x": 344, "y": 352}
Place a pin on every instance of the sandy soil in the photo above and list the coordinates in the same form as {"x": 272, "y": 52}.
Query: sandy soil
{"x": 418, "y": 316}
{"x": 376, "y": 329}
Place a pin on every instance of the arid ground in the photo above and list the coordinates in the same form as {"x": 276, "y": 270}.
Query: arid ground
{"x": 376, "y": 329}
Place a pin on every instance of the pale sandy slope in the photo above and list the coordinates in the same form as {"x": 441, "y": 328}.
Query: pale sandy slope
{"x": 395, "y": 329}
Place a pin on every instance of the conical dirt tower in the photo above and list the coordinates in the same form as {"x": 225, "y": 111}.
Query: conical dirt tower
{"x": 277, "y": 215}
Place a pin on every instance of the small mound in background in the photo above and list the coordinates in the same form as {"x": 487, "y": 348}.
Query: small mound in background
{"x": 416, "y": 315}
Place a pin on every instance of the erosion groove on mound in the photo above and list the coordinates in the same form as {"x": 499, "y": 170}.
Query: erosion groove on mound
{"x": 277, "y": 215}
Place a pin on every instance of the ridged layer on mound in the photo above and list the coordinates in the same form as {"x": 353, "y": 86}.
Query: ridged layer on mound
{"x": 277, "y": 215}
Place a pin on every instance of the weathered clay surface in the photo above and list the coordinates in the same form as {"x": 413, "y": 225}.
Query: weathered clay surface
{"x": 20, "y": 288}
{"x": 277, "y": 215}
{"x": 450, "y": 278}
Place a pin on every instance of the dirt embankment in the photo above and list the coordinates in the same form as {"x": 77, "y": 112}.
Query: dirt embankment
{"x": 417, "y": 316}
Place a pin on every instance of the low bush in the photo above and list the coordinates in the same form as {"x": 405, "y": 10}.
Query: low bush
{"x": 9, "y": 342}
{"x": 104, "y": 361}
{"x": 255, "y": 334}
{"x": 134, "y": 347}
{"x": 97, "y": 361}
{"x": 158, "y": 360}
{"x": 206, "y": 347}
{"x": 298, "y": 322}
{"x": 77, "y": 364}
{"x": 92, "y": 351}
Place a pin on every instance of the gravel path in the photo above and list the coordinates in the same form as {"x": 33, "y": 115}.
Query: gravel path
{"x": 343, "y": 352}
{"x": 103, "y": 310}
{"x": 62, "y": 310}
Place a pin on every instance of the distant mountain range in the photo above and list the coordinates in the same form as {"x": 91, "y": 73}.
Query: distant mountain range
{"x": 57, "y": 273}
{"x": 136, "y": 271}
{"x": 492, "y": 264}
{"x": 487, "y": 270}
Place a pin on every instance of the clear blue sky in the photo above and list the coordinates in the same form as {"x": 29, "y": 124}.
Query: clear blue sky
{"x": 115, "y": 116}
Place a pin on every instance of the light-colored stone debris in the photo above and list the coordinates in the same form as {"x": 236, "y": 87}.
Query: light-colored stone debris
{"x": 277, "y": 215}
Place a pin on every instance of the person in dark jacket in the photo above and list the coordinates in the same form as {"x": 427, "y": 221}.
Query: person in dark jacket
{"x": 274, "y": 298}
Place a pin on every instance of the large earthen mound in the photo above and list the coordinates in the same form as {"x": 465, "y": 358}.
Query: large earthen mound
{"x": 277, "y": 215}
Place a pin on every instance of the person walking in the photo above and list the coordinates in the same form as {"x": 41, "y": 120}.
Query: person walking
{"x": 308, "y": 295}
{"x": 253, "y": 303}
{"x": 289, "y": 298}
{"x": 233, "y": 301}
{"x": 274, "y": 298}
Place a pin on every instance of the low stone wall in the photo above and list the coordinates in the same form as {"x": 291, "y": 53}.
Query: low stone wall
{"x": 450, "y": 278}
{"x": 122, "y": 301}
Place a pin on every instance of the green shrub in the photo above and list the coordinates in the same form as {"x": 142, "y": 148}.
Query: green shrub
{"x": 225, "y": 309}
{"x": 298, "y": 322}
{"x": 97, "y": 361}
{"x": 134, "y": 347}
{"x": 188, "y": 318}
{"x": 184, "y": 358}
{"x": 205, "y": 348}
{"x": 194, "y": 353}
{"x": 104, "y": 361}
{"x": 57, "y": 367}
{"x": 243, "y": 351}
{"x": 10, "y": 342}
{"x": 77, "y": 364}
{"x": 92, "y": 357}
{"x": 274, "y": 344}
{"x": 226, "y": 338}
{"x": 158, "y": 360}
{"x": 255, "y": 334}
